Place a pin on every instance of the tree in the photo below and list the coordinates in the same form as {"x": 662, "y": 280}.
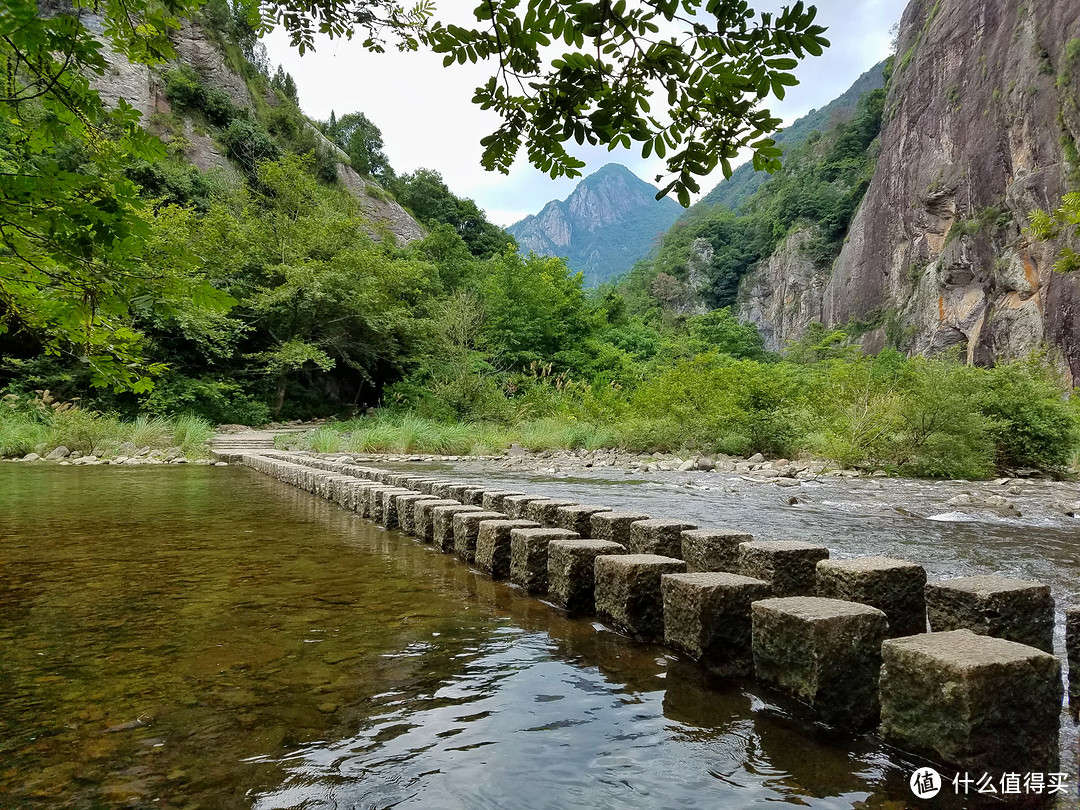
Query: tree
{"x": 432, "y": 202}
{"x": 74, "y": 236}
{"x": 362, "y": 142}
{"x": 714, "y": 70}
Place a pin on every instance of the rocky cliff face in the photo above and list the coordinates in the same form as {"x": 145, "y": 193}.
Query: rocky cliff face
{"x": 981, "y": 126}
{"x": 142, "y": 88}
{"x": 609, "y": 222}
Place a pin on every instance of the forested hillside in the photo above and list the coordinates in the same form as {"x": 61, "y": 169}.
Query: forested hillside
{"x": 734, "y": 191}
{"x": 241, "y": 263}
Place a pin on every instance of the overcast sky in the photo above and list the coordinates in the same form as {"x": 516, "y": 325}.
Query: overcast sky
{"x": 428, "y": 120}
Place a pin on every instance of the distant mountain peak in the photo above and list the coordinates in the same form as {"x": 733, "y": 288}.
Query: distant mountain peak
{"x": 609, "y": 221}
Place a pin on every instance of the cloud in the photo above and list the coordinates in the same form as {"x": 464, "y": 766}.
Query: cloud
{"x": 427, "y": 117}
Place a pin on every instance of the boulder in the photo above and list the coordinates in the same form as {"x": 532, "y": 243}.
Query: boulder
{"x": 58, "y": 453}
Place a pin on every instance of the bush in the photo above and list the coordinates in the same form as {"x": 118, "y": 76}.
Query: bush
{"x": 222, "y": 402}
{"x": 1032, "y": 422}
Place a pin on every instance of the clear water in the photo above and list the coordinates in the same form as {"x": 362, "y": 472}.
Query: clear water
{"x": 209, "y": 638}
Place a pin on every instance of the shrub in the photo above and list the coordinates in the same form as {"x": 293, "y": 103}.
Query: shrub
{"x": 1033, "y": 425}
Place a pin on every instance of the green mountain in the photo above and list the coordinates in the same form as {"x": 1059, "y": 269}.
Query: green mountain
{"x": 611, "y": 220}
{"x": 733, "y": 192}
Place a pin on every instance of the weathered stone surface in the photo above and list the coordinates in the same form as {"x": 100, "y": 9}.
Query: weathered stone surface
{"x": 572, "y": 571}
{"x": 423, "y": 525}
{"x": 992, "y": 605}
{"x": 474, "y": 496}
{"x": 406, "y": 509}
{"x": 895, "y": 587}
{"x": 442, "y": 518}
{"x": 363, "y": 493}
{"x": 1072, "y": 653}
{"x": 713, "y": 549}
{"x": 614, "y": 526}
{"x": 545, "y": 512}
{"x": 788, "y": 565}
{"x": 707, "y": 616}
{"x": 493, "y": 545}
{"x": 628, "y": 592}
{"x": 457, "y": 492}
{"x": 824, "y": 652}
{"x": 981, "y": 704}
{"x": 577, "y": 517}
{"x": 663, "y": 537}
{"x": 516, "y": 506}
{"x": 529, "y": 556}
{"x": 466, "y": 527}
{"x": 494, "y": 499}
{"x": 388, "y": 507}
{"x": 59, "y": 453}
{"x": 441, "y": 489}
{"x": 374, "y": 501}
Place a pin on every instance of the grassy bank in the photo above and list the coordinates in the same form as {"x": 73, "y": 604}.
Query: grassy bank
{"x": 39, "y": 425}
{"x": 933, "y": 418}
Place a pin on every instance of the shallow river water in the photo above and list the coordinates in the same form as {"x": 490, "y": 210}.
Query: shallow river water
{"x": 209, "y": 638}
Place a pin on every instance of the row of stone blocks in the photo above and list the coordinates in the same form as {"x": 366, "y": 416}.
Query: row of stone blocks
{"x": 972, "y": 700}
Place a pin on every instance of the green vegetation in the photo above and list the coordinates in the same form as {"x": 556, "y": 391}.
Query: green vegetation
{"x": 79, "y": 245}
{"x": 823, "y": 180}
{"x": 140, "y": 288}
{"x": 923, "y": 417}
{"x": 39, "y": 423}
{"x": 1063, "y": 223}
{"x": 732, "y": 193}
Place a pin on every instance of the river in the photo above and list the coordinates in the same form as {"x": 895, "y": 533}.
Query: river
{"x": 202, "y": 637}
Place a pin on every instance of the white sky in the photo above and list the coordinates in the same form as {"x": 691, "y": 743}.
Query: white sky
{"x": 428, "y": 120}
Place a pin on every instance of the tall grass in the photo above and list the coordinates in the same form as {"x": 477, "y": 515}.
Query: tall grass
{"x": 191, "y": 434}
{"x": 409, "y": 433}
{"x": 29, "y": 427}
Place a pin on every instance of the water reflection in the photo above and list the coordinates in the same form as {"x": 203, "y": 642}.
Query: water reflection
{"x": 210, "y": 638}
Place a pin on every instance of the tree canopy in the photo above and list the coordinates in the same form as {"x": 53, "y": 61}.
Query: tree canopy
{"x": 80, "y": 246}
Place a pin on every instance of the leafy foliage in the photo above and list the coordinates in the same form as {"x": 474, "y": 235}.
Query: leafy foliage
{"x": 821, "y": 184}
{"x": 1062, "y": 222}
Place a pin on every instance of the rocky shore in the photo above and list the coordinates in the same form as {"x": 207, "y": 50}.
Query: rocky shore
{"x": 127, "y": 454}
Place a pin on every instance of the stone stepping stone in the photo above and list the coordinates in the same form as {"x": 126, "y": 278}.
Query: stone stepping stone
{"x": 628, "y": 592}
{"x": 529, "y": 556}
{"x": 823, "y": 652}
{"x": 789, "y": 566}
{"x": 713, "y": 549}
{"x": 993, "y": 605}
{"x": 895, "y": 587}
{"x": 980, "y": 704}
{"x": 707, "y": 616}
{"x": 572, "y": 571}
{"x": 657, "y": 536}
